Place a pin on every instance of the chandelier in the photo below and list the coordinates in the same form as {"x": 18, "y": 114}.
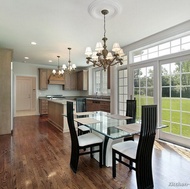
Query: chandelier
{"x": 102, "y": 57}
{"x": 70, "y": 67}
{"x": 59, "y": 72}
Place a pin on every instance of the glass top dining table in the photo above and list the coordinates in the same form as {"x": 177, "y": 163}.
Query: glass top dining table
{"x": 111, "y": 125}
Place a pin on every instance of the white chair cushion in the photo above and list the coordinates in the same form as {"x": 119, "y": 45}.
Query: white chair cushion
{"x": 83, "y": 128}
{"x": 88, "y": 139}
{"x": 129, "y": 148}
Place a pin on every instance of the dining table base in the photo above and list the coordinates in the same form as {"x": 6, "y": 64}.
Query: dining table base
{"x": 107, "y": 149}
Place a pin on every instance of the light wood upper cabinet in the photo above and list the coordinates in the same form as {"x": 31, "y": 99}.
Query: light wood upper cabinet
{"x": 82, "y": 80}
{"x": 70, "y": 81}
{"x": 46, "y": 77}
{"x": 43, "y": 79}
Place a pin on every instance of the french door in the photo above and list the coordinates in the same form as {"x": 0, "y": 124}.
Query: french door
{"x": 143, "y": 87}
{"x": 167, "y": 84}
{"x": 175, "y": 101}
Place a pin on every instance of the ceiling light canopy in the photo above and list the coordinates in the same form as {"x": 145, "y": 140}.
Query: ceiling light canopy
{"x": 59, "y": 72}
{"x": 101, "y": 57}
{"x": 70, "y": 67}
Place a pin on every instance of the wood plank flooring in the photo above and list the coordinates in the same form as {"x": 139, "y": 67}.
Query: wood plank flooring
{"x": 37, "y": 156}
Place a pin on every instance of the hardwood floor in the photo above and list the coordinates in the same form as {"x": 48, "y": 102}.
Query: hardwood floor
{"x": 37, "y": 156}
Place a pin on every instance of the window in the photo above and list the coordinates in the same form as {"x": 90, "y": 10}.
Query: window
{"x": 169, "y": 47}
{"x": 100, "y": 78}
{"x": 122, "y": 91}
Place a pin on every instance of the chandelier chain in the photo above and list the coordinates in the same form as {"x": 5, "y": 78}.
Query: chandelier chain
{"x": 104, "y": 25}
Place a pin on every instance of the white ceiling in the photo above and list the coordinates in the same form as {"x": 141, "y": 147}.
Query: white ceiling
{"x": 56, "y": 25}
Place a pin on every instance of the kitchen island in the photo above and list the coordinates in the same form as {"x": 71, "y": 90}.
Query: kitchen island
{"x": 56, "y": 109}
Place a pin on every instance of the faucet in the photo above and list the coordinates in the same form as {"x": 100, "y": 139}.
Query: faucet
{"x": 96, "y": 94}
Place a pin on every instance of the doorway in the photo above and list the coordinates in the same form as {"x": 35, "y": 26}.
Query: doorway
{"x": 25, "y": 95}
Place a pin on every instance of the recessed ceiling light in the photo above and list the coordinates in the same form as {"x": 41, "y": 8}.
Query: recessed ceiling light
{"x": 33, "y": 43}
{"x": 50, "y": 60}
{"x": 26, "y": 57}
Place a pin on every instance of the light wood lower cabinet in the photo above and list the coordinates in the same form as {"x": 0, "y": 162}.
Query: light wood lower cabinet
{"x": 43, "y": 106}
{"x": 55, "y": 115}
{"x": 105, "y": 106}
{"x": 98, "y": 105}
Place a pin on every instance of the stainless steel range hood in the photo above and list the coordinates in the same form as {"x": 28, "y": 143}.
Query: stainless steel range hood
{"x": 56, "y": 80}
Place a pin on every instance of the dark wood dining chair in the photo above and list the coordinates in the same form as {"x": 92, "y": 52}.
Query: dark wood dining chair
{"x": 139, "y": 153}
{"x": 79, "y": 143}
{"x": 81, "y": 107}
{"x": 131, "y": 112}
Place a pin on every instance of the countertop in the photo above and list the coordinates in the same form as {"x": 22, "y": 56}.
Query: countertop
{"x": 99, "y": 99}
{"x": 61, "y": 101}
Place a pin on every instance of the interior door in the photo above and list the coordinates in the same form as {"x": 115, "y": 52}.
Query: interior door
{"x": 23, "y": 93}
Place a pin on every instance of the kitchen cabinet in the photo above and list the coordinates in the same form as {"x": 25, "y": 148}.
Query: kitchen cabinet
{"x": 97, "y": 105}
{"x": 82, "y": 80}
{"x": 5, "y": 91}
{"x": 43, "y": 106}
{"x": 105, "y": 106}
{"x": 46, "y": 77}
{"x": 70, "y": 81}
{"x": 43, "y": 79}
{"x": 55, "y": 116}
{"x": 92, "y": 105}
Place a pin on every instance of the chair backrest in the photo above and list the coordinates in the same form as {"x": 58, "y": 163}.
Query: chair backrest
{"x": 145, "y": 145}
{"x": 131, "y": 110}
{"x": 80, "y": 104}
{"x": 70, "y": 120}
